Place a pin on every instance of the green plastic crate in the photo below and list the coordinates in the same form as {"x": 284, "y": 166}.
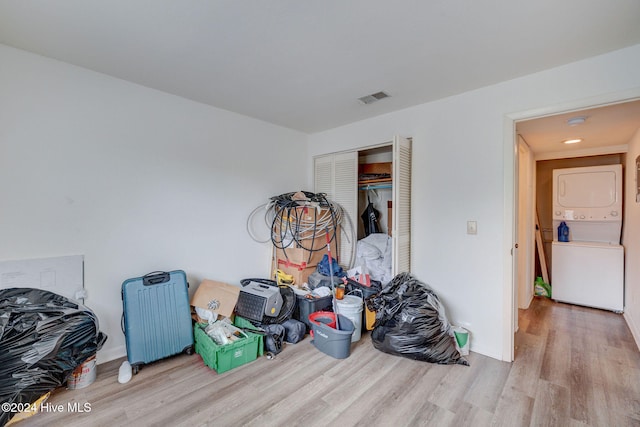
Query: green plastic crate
{"x": 223, "y": 358}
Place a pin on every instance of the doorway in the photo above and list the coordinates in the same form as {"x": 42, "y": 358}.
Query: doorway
{"x": 522, "y": 255}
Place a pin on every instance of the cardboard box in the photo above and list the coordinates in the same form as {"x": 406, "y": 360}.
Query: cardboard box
{"x": 308, "y": 252}
{"x": 221, "y": 298}
{"x": 300, "y": 273}
{"x": 296, "y": 228}
{"x": 300, "y": 256}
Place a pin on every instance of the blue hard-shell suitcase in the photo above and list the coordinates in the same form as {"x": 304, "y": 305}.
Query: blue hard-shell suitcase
{"x": 156, "y": 317}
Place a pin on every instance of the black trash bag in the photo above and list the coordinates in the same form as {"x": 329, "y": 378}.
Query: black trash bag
{"x": 44, "y": 337}
{"x": 411, "y": 322}
{"x": 370, "y": 219}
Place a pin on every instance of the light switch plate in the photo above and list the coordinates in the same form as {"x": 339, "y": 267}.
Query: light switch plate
{"x": 472, "y": 227}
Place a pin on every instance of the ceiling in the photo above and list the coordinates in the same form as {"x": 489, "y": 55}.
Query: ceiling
{"x": 605, "y": 128}
{"x": 304, "y": 64}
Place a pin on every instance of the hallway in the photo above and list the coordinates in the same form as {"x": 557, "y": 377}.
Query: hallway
{"x": 579, "y": 364}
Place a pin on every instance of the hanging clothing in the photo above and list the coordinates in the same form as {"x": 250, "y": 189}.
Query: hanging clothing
{"x": 370, "y": 218}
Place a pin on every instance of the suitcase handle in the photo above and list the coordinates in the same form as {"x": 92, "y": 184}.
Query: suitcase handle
{"x": 155, "y": 277}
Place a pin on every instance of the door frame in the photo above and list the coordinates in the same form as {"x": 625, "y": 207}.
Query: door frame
{"x": 510, "y": 180}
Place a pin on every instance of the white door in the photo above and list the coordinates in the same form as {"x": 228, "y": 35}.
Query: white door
{"x": 525, "y": 226}
{"x": 323, "y": 175}
{"x": 337, "y": 176}
{"x": 401, "y": 216}
{"x": 346, "y": 195}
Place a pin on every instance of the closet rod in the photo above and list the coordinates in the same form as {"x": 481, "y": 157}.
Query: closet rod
{"x": 374, "y": 186}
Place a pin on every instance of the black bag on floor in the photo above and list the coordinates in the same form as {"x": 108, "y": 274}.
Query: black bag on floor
{"x": 411, "y": 322}
{"x": 273, "y": 338}
{"x": 44, "y": 337}
{"x": 294, "y": 331}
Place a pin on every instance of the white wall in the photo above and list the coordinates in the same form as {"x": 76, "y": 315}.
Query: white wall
{"x": 631, "y": 242}
{"x": 463, "y": 170}
{"x": 134, "y": 179}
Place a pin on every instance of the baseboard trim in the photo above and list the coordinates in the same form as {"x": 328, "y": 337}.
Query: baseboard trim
{"x": 104, "y": 356}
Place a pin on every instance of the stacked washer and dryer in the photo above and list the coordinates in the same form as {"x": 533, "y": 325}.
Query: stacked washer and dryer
{"x": 588, "y": 269}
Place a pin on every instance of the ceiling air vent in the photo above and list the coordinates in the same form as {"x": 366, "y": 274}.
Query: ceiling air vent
{"x": 370, "y": 99}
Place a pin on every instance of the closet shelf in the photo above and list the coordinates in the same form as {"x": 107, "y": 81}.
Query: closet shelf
{"x": 374, "y": 176}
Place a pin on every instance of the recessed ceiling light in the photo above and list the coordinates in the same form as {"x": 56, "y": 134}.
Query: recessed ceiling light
{"x": 572, "y": 141}
{"x": 578, "y": 120}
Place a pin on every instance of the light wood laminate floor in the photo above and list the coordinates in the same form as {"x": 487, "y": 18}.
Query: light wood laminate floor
{"x": 574, "y": 366}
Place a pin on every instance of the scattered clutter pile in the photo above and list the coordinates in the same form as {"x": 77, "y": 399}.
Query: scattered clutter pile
{"x": 261, "y": 313}
{"x": 325, "y": 293}
{"x": 235, "y": 325}
{"x": 303, "y": 227}
{"x": 44, "y": 338}
{"x": 47, "y": 340}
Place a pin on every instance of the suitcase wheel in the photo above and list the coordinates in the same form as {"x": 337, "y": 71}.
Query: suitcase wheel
{"x": 135, "y": 369}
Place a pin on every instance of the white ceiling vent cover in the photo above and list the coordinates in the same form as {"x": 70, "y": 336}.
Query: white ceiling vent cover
{"x": 370, "y": 99}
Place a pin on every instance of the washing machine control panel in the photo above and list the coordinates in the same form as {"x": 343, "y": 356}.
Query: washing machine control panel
{"x": 586, "y": 215}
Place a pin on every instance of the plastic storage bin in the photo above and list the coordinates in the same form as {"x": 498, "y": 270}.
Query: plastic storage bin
{"x": 223, "y": 358}
{"x": 306, "y": 306}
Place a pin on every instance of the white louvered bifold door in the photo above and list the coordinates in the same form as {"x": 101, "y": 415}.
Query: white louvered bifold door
{"x": 323, "y": 175}
{"x": 337, "y": 176}
{"x": 401, "y": 216}
{"x": 346, "y": 195}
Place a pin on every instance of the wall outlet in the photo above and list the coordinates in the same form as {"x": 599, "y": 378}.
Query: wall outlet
{"x": 472, "y": 227}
